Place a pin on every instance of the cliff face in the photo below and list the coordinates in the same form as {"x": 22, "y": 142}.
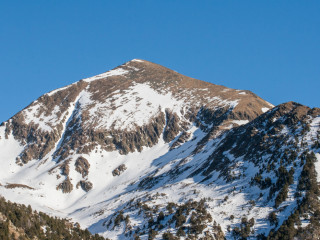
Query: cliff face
{"x": 144, "y": 151}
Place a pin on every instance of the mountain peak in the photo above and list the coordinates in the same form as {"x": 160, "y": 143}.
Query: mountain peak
{"x": 137, "y": 60}
{"x": 131, "y": 66}
{"x": 126, "y": 109}
{"x": 116, "y": 140}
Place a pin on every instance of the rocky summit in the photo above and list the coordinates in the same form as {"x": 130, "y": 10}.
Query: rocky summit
{"x": 143, "y": 152}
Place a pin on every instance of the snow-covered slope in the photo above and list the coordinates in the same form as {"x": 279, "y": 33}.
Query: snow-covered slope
{"x": 142, "y": 150}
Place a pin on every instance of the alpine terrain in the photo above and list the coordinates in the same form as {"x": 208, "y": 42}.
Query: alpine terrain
{"x": 143, "y": 152}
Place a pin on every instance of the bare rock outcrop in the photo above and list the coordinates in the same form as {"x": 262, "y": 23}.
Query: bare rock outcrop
{"x": 66, "y": 186}
{"x": 82, "y": 166}
{"x": 120, "y": 169}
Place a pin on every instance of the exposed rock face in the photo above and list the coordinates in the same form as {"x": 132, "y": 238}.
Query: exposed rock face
{"x": 65, "y": 168}
{"x": 66, "y": 186}
{"x": 119, "y": 170}
{"x": 172, "y": 127}
{"x": 50, "y": 112}
{"x": 182, "y": 139}
{"x": 85, "y": 185}
{"x": 82, "y": 166}
{"x": 18, "y": 186}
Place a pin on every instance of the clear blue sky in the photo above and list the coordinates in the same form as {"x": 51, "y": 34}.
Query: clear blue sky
{"x": 269, "y": 47}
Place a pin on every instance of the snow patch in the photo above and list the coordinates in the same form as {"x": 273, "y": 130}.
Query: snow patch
{"x": 45, "y": 122}
{"x": 136, "y": 60}
{"x": 9, "y": 150}
{"x": 240, "y": 122}
{"x": 264, "y": 109}
{"x": 115, "y": 72}
{"x": 58, "y": 90}
{"x": 131, "y": 108}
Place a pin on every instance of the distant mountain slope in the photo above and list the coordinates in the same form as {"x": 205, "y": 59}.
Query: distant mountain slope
{"x": 144, "y": 152}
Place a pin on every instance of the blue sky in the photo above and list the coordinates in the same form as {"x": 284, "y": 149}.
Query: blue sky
{"x": 269, "y": 47}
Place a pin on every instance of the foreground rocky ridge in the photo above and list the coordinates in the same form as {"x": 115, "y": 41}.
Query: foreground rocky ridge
{"x": 144, "y": 152}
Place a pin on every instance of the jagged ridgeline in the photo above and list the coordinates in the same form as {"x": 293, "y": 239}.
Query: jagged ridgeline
{"x": 143, "y": 152}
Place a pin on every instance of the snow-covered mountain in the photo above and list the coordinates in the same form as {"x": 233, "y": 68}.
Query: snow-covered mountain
{"x": 142, "y": 151}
